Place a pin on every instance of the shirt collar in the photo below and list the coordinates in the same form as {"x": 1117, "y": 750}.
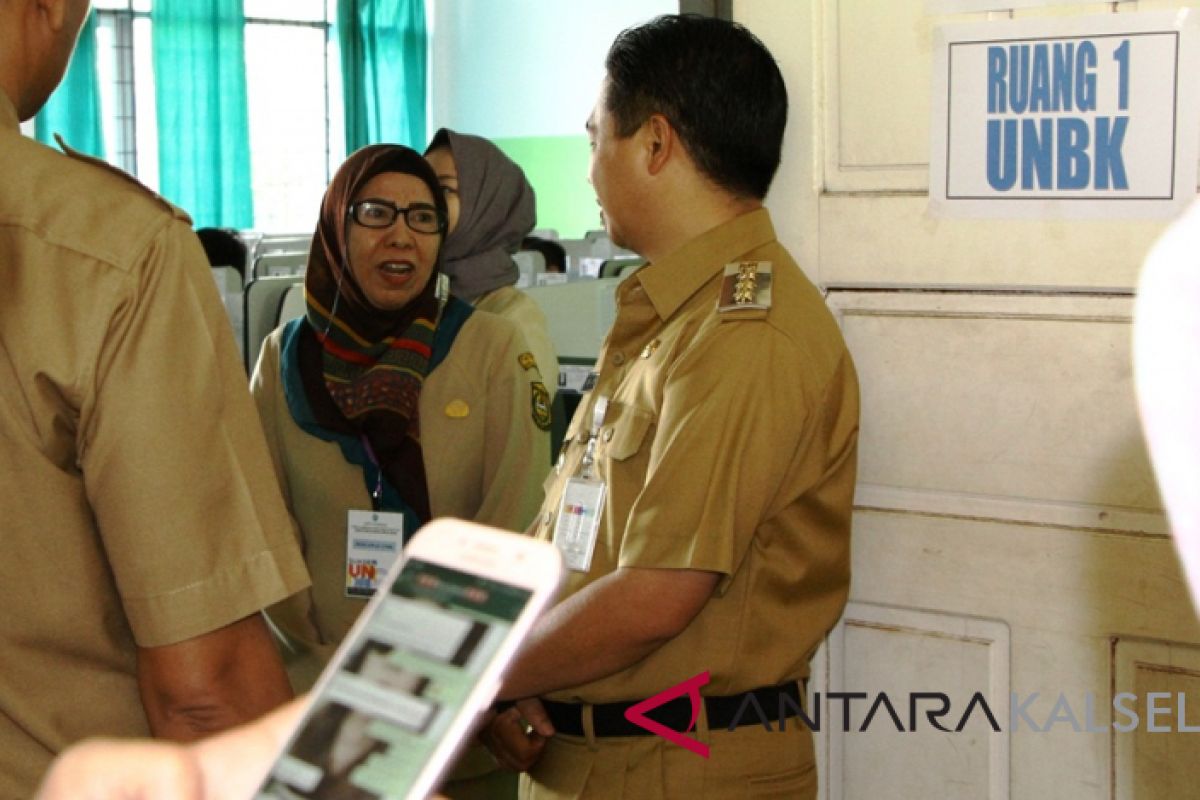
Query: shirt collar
{"x": 670, "y": 282}
{"x": 8, "y": 114}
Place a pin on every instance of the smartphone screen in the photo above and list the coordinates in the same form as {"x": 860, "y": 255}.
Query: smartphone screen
{"x": 377, "y": 721}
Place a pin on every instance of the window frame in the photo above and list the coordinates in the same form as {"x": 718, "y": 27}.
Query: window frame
{"x": 128, "y": 132}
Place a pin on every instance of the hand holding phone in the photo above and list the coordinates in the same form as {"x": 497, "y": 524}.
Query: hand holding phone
{"x": 427, "y": 654}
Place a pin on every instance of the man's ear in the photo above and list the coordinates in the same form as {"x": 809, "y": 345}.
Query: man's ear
{"x": 661, "y": 143}
{"x": 54, "y": 12}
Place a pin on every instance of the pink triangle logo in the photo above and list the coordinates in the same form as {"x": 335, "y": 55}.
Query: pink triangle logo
{"x": 691, "y": 687}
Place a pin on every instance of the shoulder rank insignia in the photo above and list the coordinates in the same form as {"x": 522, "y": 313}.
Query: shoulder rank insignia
{"x": 540, "y": 402}
{"x": 747, "y": 286}
{"x": 527, "y": 361}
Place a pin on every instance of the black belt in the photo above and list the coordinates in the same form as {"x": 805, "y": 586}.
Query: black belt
{"x": 608, "y": 719}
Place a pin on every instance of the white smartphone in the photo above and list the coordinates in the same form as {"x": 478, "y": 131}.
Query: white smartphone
{"x": 398, "y": 699}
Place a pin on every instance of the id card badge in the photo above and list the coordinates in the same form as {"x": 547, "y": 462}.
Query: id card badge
{"x": 373, "y": 542}
{"x": 579, "y": 522}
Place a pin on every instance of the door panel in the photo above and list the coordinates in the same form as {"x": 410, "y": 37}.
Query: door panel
{"x": 1007, "y": 537}
{"x": 1024, "y": 397}
{"x": 884, "y": 239}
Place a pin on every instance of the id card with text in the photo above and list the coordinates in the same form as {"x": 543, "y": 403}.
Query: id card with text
{"x": 373, "y": 542}
{"x": 579, "y": 522}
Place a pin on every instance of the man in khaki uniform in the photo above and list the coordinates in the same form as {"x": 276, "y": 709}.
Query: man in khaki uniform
{"x": 143, "y": 530}
{"x": 723, "y": 429}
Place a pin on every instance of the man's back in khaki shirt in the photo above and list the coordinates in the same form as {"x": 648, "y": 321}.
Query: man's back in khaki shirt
{"x": 143, "y": 529}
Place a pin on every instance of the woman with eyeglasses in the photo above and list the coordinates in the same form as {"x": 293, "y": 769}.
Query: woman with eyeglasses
{"x": 390, "y": 402}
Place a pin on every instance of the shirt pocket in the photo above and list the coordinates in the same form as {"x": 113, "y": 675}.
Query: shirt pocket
{"x": 577, "y": 428}
{"x": 624, "y": 431}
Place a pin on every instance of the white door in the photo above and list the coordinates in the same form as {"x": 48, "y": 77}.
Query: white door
{"x": 1008, "y": 538}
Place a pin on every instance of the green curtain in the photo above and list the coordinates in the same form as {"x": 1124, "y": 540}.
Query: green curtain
{"x": 73, "y": 111}
{"x": 203, "y": 120}
{"x": 382, "y": 45}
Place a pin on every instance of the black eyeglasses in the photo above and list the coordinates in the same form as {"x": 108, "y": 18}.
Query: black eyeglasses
{"x": 420, "y": 217}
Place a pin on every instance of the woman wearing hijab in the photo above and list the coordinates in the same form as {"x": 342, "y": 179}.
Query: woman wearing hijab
{"x": 491, "y": 210}
{"x": 389, "y": 395}
{"x": 390, "y": 402}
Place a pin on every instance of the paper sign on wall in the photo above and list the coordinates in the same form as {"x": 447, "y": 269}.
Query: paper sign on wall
{"x": 967, "y": 6}
{"x": 1066, "y": 117}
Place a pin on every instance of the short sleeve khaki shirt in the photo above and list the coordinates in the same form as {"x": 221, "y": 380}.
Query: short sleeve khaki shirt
{"x": 520, "y": 309}
{"x": 140, "y": 507}
{"x": 485, "y": 460}
{"x": 729, "y": 445}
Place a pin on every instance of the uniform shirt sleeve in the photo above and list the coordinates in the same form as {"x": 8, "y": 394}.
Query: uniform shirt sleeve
{"x": 295, "y": 617}
{"x": 265, "y": 389}
{"x": 516, "y": 450}
{"x": 173, "y": 456}
{"x": 520, "y": 309}
{"x": 532, "y": 323}
{"x": 733, "y": 409}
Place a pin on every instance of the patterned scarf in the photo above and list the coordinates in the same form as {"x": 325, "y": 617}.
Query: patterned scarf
{"x": 363, "y": 367}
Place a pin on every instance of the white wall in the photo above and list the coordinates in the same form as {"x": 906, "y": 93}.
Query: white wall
{"x": 785, "y": 27}
{"x": 528, "y": 68}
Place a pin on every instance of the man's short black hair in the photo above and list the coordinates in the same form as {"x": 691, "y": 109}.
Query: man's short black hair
{"x": 224, "y": 248}
{"x": 716, "y": 84}
{"x": 552, "y": 252}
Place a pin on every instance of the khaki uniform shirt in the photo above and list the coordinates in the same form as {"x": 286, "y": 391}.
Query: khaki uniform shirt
{"x": 728, "y": 446}
{"x": 519, "y": 308}
{"x": 483, "y": 453}
{"x": 140, "y": 508}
